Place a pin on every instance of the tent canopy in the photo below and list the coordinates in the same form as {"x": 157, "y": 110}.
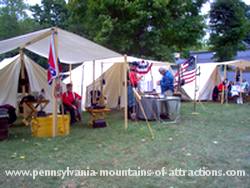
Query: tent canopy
{"x": 72, "y": 48}
{"x": 9, "y": 79}
{"x": 120, "y": 59}
{"x": 241, "y": 64}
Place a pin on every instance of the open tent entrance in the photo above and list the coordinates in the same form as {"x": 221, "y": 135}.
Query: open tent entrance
{"x": 21, "y": 78}
{"x": 23, "y": 82}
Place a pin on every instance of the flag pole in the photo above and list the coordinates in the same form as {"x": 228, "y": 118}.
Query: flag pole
{"x": 179, "y": 79}
{"x": 195, "y": 86}
{"x": 54, "y": 130}
{"x": 126, "y": 93}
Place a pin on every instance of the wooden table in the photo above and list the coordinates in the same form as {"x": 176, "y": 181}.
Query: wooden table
{"x": 33, "y": 106}
{"x": 97, "y": 114}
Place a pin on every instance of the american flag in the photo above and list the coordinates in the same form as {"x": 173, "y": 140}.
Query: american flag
{"x": 187, "y": 72}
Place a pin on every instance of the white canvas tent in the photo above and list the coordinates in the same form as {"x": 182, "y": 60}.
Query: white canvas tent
{"x": 113, "y": 89}
{"x": 72, "y": 48}
{"x": 69, "y": 48}
{"x": 209, "y": 77}
{"x": 10, "y": 70}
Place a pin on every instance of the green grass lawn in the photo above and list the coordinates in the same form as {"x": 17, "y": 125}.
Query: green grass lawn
{"x": 217, "y": 138}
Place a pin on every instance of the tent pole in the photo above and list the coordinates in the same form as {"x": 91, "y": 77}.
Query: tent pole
{"x": 223, "y": 88}
{"x": 226, "y": 89}
{"x": 120, "y": 88}
{"x": 70, "y": 71}
{"x": 102, "y": 98}
{"x": 82, "y": 84}
{"x": 102, "y": 78}
{"x": 125, "y": 92}
{"x": 241, "y": 78}
{"x": 93, "y": 90}
{"x": 54, "y": 132}
{"x": 38, "y": 38}
{"x": 22, "y": 70}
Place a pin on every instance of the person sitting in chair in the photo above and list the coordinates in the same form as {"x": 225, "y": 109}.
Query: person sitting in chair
{"x": 71, "y": 103}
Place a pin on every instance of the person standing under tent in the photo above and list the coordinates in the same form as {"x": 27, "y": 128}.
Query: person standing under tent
{"x": 72, "y": 103}
{"x": 245, "y": 86}
{"x": 167, "y": 82}
{"x": 223, "y": 87}
{"x": 133, "y": 80}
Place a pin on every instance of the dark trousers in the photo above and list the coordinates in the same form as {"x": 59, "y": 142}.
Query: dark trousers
{"x": 71, "y": 110}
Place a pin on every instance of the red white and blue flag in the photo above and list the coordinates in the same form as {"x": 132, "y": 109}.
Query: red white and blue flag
{"x": 141, "y": 67}
{"x": 53, "y": 70}
{"x": 187, "y": 72}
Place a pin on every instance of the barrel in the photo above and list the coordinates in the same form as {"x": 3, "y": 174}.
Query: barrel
{"x": 174, "y": 105}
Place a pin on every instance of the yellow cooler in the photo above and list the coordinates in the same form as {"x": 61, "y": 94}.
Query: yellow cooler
{"x": 43, "y": 126}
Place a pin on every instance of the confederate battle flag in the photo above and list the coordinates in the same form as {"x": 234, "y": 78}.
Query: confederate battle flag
{"x": 53, "y": 70}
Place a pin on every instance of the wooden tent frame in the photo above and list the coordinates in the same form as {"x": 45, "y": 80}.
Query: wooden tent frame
{"x": 54, "y": 33}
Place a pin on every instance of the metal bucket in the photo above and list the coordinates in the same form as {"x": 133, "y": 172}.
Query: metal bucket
{"x": 174, "y": 106}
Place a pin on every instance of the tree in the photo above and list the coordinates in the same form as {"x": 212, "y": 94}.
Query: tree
{"x": 229, "y": 26}
{"x": 11, "y": 12}
{"x": 151, "y": 28}
{"x": 247, "y": 12}
{"x": 51, "y": 13}
{"x": 15, "y": 8}
{"x": 14, "y": 21}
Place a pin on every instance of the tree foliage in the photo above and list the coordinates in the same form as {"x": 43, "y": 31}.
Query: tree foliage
{"x": 12, "y": 12}
{"x": 14, "y": 21}
{"x": 229, "y": 26}
{"x": 152, "y": 28}
{"x": 51, "y": 13}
